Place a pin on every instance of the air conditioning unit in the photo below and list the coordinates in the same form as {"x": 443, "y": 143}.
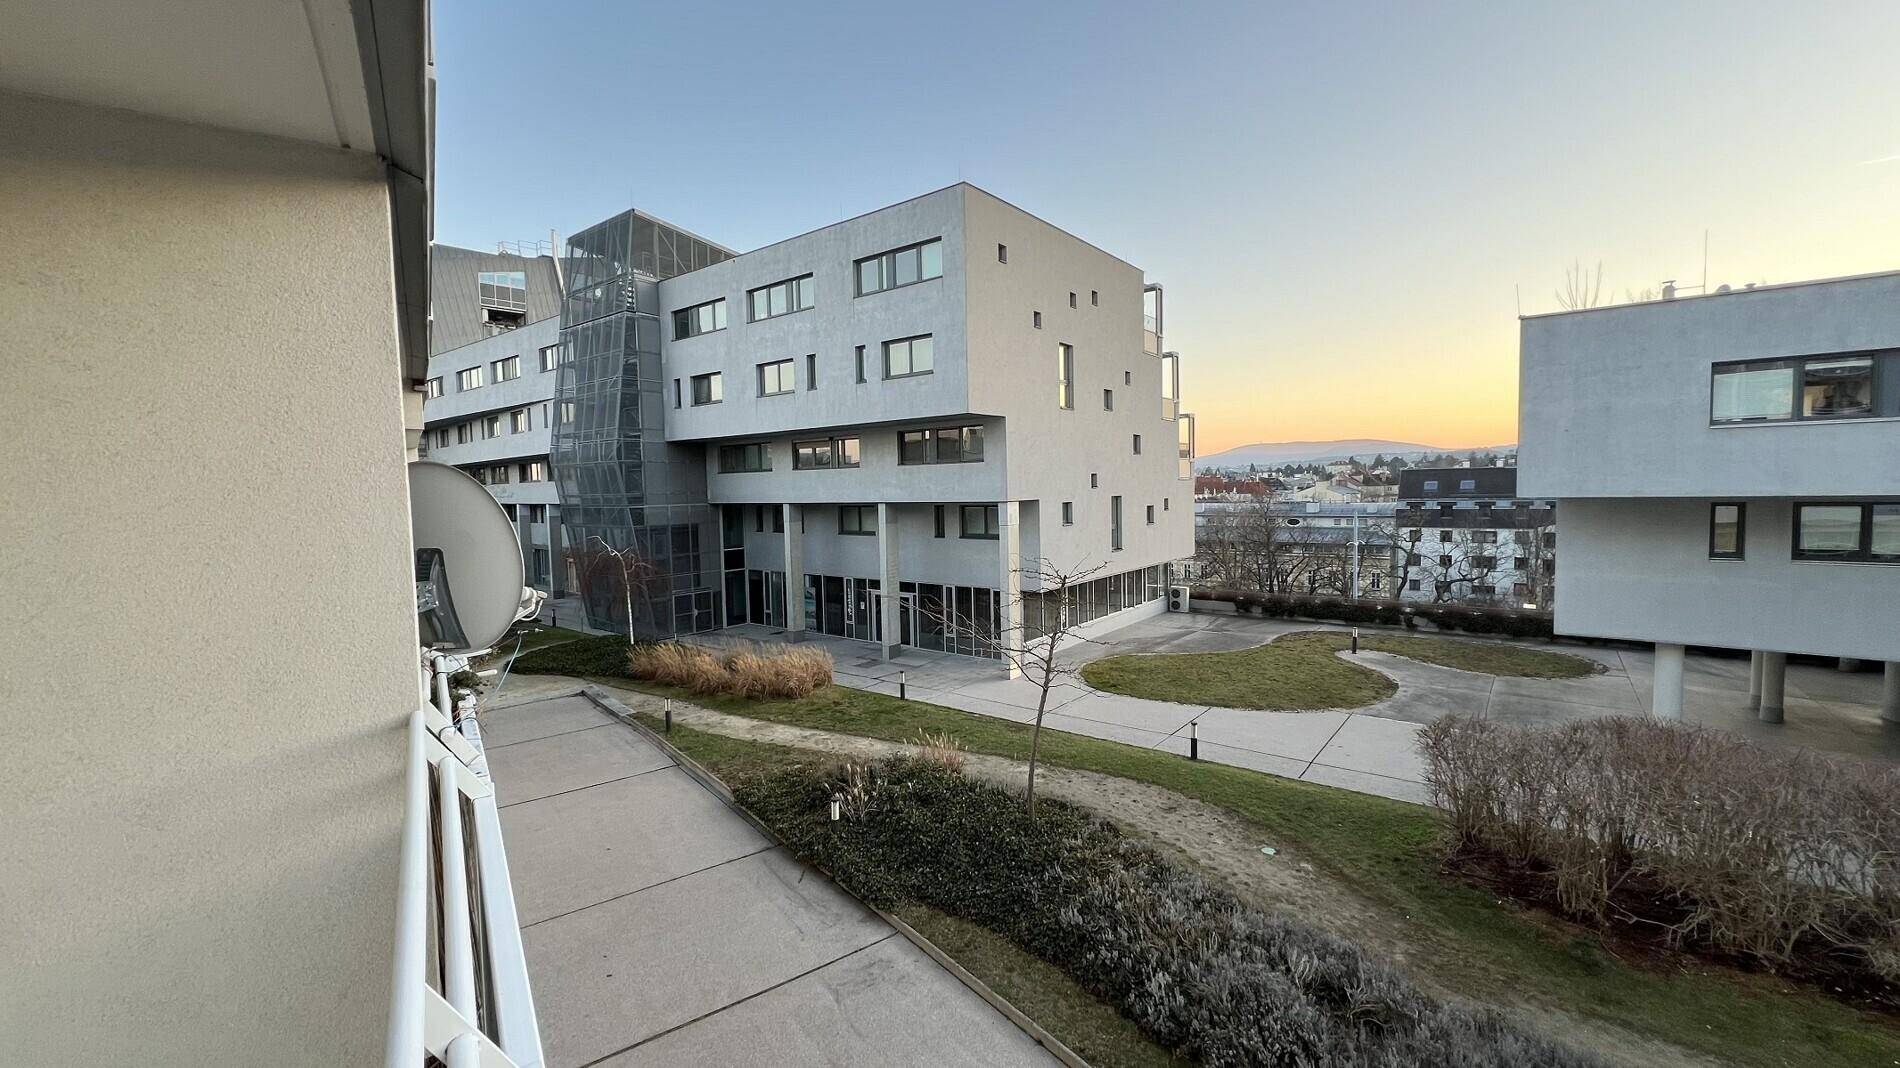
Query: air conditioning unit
{"x": 1177, "y": 598}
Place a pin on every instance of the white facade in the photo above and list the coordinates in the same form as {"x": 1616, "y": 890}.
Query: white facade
{"x": 1727, "y": 467}
{"x": 998, "y": 294}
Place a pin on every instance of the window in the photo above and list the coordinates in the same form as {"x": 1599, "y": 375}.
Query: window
{"x": 1431, "y": 485}
{"x": 909, "y": 356}
{"x": 937, "y": 513}
{"x": 751, "y": 456}
{"x": 1115, "y": 523}
{"x": 1832, "y": 386}
{"x": 775, "y": 378}
{"x": 1128, "y": 378}
{"x": 464, "y": 433}
{"x": 708, "y": 388}
{"x": 860, "y": 365}
{"x": 1860, "y": 533}
{"x": 1481, "y": 590}
{"x": 498, "y": 475}
{"x": 779, "y": 298}
{"x": 533, "y": 471}
{"x": 1151, "y": 515}
{"x": 1108, "y": 400}
{"x": 828, "y": 453}
{"x": 1137, "y": 444}
{"x": 468, "y": 378}
{"x": 857, "y": 519}
{"x": 432, "y": 388}
{"x": 1520, "y": 590}
{"x": 900, "y": 267}
{"x": 1071, "y": 298}
{"x": 811, "y": 370}
{"x": 1412, "y": 584}
{"x": 518, "y": 421}
{"x": 948, "y": 445}
{"x": 1444, "y": 536}
{"x": 1002, "y": 253}
{"x": 508, "y": 370}
{"x": 1068, "y": 513}
{"x": 1467, "y": 485}
{"x": 1065, "y": 375}
{"x": 979, "y": 521}
{"x": 1165, "y": 501}
{"x": 676, "y": 393}
{"x": 699, "y": 319}
{"x": 491, "y": 427}
{"x": 1035, "y": 319}
{"x": 537, "y": 513}
{"x": 1725, "y": 531}
{"x": 1095, "y": 480}
{"x": 442, "y": 438}
{"x": 507, "y": 290}
{"x": 1444, "y": 560}
{"x": 550, "y": 357}
{"x": 1520, "y": 563}
{"x": 1095, "y": 298}
{"x": 1484, "y": 563}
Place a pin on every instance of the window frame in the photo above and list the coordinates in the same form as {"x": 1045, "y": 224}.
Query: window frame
{"x": 1741, "y": 530}
{"x": 1065, "y": 376}
{"x": 887, "y": 267}
{"x": 932, "y": 436}
{"x": 716, "y": 384}
{"x": 989, "y": 522}
{"x": 792, "y": 294}
{"x": 859, "y": 510}
{"x": 910, "y": 356}
{"x": 1068, "y": 513}
{"x": 432, "y": 388}
{"x": 834, "y": 448}
{"x": 787, "y": 377}
{"x": 759, "y": 451}
{"x": 463, "y": 383}
{"x": 1862, "y": 553}
{"x": 1884, "y": 404}
{"x": 720, "y": 321}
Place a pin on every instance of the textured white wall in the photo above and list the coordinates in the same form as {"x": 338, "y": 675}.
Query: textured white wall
{"x": 212, "y": 655}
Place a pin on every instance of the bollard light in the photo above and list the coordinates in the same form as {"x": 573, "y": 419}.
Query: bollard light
{"x": 1355, "y": 640}
{"x": 669, "y": 715}
{"x": 837, "y": 805}
{"x": 903, "y": 685}
{"x": 1194, "y": 739}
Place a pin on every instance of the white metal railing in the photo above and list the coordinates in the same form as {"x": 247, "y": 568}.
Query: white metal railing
{"x": 472, "y": 1005}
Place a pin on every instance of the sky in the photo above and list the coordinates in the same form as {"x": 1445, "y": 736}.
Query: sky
{"x": 1348, "y": 204}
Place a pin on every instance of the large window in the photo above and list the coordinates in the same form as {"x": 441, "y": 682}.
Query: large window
{"x": 909, "y": 356}
{"x": 979, "y": 521}
{"x": 1835, "y": 386}
{"x": 857, "y": 519}
{"x": 900, "y": 267}
{"x": 468, "y": 378}
{"x": 822, "y": 455}
{"x": 519, "y": 421}
{"x": 775, "y": 378}
{"x": 948, "y": 445}
{"x": 508, "y": 370}
{"x": 753, "y": 456}
{"x": 504, "y": 289}
{"x": 1861, "y": 533}
{"x": 779, "y": 298}
{"x": 550, "y": 357}
{"x": 709, "y": 388}
{"x": 699, "y": 319}
{"x": 532, "y": 471}
{"x": 491, "y": 426}
{"x": 1065, "y": 375}
{"x": 1726, "y": 530}
{"x": 432, "y": 388}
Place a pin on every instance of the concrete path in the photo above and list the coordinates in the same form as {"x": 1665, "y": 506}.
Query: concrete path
{"x": 662, "y": 928}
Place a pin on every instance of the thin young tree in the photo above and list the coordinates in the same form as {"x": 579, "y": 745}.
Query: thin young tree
{"x": 632, "y": 571}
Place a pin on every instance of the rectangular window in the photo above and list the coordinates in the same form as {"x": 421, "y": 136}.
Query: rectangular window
{"x": 939, "y": 520}
{"x": 1108, "y": 400}
{"x": 775, "y": 378}
{"x": 1444, "y": 536}
{"x": 909, "y": 356}
{"x": 1520, "y": 563}
{"x": 749, "y": 456}
{"x": 1071, "y": 298}
{"x": 498, "y": 475}
{"x": 1095, "y": 480}
{"x": 857, "y": 519}
{"x": 948, "y": 445}
{"x": 1467, "y": 485}
{"x": 1860, "y": 533}
{"x": 1095, "y": 298}
{"x": 1068, "y": 513}
{"x": 1151, "y": 515}
{"x": 1115, "y": 523}
{"x": 978, "y": 521}
{"x": 533, "y": 471}
{"x": 468, "y": 378}
{"x": 508, "y": 370}
{"x": 900, "y": 267}
{"x": 1725, "y": 531}
{"x": 1002, "y": 253}
{"x": 464, "y": 433}
{"x": 699, "y": 319}
{"x": 1065, "y": 375}
{"x": 1484, "y": 563}
{"x": 537, "y": 513}
{"x": 1128, "y": 378}
{"x": 811, "y": 370}
{"x": 1850, "y": 385}
{"x": 442, "y": 438}
{"x": 860, "y": 365}
{"x": 1137, "y": 444}
{"x": 1431, "y": 485}
{"x": 550, "y": 357}
{"x": 826, "y": 454}
{"x": 432, "y": 388}
{"x": 1165, "y": 502}
{"x": 779, "y": 298}
{"x": 1035, "y": 319}
{"x": 708, "y": 388}
{"x": 676, "y": 393}
{"x": 491, "y": 427}
{"x": 1838, "y": 388}
{"x": 518, "y": 421}
{"x": 1444, "y": 560}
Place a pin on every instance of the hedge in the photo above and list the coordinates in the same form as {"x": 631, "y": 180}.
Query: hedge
{"x": 1471, "y": 619}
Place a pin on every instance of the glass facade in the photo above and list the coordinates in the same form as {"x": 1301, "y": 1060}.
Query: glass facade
{"x": 620, "y": 483}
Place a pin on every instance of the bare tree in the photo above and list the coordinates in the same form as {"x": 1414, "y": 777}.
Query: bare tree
{"x": 1582, "y": 288}
{"x": 595, "y": 558}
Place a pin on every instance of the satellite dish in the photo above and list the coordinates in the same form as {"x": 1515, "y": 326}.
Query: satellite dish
{"x": 468, "y": 563}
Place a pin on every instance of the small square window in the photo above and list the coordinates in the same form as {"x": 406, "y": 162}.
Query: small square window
{"x": 1002, "y": 256}
{"x": 1095, "y": 298}
{"x": 1068, "y": 513}
{"x": 1072, "y": 298}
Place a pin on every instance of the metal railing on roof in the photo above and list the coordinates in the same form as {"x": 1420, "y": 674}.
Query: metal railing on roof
{"x": 469, "y": 1004}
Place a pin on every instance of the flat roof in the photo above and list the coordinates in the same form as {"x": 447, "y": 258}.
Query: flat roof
{"x": 1733, "y": 292}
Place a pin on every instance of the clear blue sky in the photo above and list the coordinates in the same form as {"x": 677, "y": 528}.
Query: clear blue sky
{"x": 1343, "y": 200}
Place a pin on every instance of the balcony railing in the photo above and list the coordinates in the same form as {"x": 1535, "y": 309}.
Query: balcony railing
{"x": 467, "y": 1003}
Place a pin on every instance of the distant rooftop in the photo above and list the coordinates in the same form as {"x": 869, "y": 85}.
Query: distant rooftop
{"x": 1720, "y": 291}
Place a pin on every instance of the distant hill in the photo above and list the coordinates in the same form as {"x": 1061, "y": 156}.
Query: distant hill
{"x": 1276, "y": 453}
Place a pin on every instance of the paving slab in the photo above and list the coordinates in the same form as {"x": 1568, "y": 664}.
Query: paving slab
{"x": 572, "y": 761}
{"x": 540, "y": 719}
{"x": 1285, "y": 767}
{"x": 1386, "y": 747}
{"x": 1298, "y": 735}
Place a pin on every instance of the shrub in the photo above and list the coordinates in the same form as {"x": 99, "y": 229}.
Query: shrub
{"x": 1197, "y": 969}
{"x": 593, "y": 656}
{"x": 942, "y": 749}
{"x": 1780, "y": 856}
{"x": 753, "y": 672}
{"x": 1472, "y": 619}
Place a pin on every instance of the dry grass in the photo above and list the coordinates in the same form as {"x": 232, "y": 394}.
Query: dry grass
{"x": 942, "y": 749}
{"x": 754, "y": 672}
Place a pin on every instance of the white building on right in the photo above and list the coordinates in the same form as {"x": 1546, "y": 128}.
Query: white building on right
{"x": 1728, "y": 471}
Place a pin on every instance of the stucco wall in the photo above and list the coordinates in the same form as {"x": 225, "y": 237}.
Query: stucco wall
{"x": 206, "y": 562}
{"x": 1640, "y": 569}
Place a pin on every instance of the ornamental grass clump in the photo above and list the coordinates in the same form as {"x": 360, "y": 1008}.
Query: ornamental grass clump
{"x": 1783, "y": 857}
{"x": 752, "y": 672}
{"x": 1200, "y": 971}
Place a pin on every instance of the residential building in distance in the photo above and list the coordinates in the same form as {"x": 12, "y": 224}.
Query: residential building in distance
{"x": 495, "y": 334}
{"x": 1466, "y": 536}
{"x": 1336, "y": 548}
{"x": 867, "y": 430}
{"x": 1728, "y": 470}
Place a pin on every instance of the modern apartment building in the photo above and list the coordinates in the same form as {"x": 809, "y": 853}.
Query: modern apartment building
{"x": 495, "y": 335}
{"x": 873, "y": 429}
{"x": 1728, "y": 471}
{"x": 1466, "y": 536}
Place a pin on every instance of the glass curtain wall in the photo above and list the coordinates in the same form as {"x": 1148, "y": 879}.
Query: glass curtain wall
{"x": 621, "y": 485}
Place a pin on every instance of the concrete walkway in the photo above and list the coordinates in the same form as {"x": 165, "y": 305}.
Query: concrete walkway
{"x": 662, "y": 928}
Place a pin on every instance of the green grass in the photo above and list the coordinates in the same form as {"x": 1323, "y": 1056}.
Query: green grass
{"x": 1489, "y": 658}
{"x": 1390, "y": 853}
{"x": 542, "y": 636}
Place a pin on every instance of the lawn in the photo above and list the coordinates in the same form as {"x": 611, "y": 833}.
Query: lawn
{"x": 1390, "y": 853}
{"x": 1302, "y": 671}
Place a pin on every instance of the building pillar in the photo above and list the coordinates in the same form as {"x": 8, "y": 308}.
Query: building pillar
{"x": 1755, "y": 657}
{"x": 794, "y": 516}
{"x": 1009, "y": 541}
{"x": 1890, "y": 694}
{"x": 888, "y": 601}
{"x": 1666, "y": 700}
{"x": 1774, "y": 675}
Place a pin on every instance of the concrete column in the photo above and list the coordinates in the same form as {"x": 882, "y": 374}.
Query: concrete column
{"x": 1009, "y": 540}
{"x": 1666, "y": 702}
{"x": 1774, "y": 675}
{"x": 888, "y": 599}
{"x": 1754, "y": 679}
{"x": 794, "y": 572}
{"x": 1890, "y": 695}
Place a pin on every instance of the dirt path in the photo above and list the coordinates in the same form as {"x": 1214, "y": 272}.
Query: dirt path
{"x": 1207, "y": 838}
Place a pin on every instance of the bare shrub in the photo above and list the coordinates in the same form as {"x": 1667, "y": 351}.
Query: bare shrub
{"x": 753, "y": 672}
{"x": 941, "y": 749}
{"x": 1705, "y": 838}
